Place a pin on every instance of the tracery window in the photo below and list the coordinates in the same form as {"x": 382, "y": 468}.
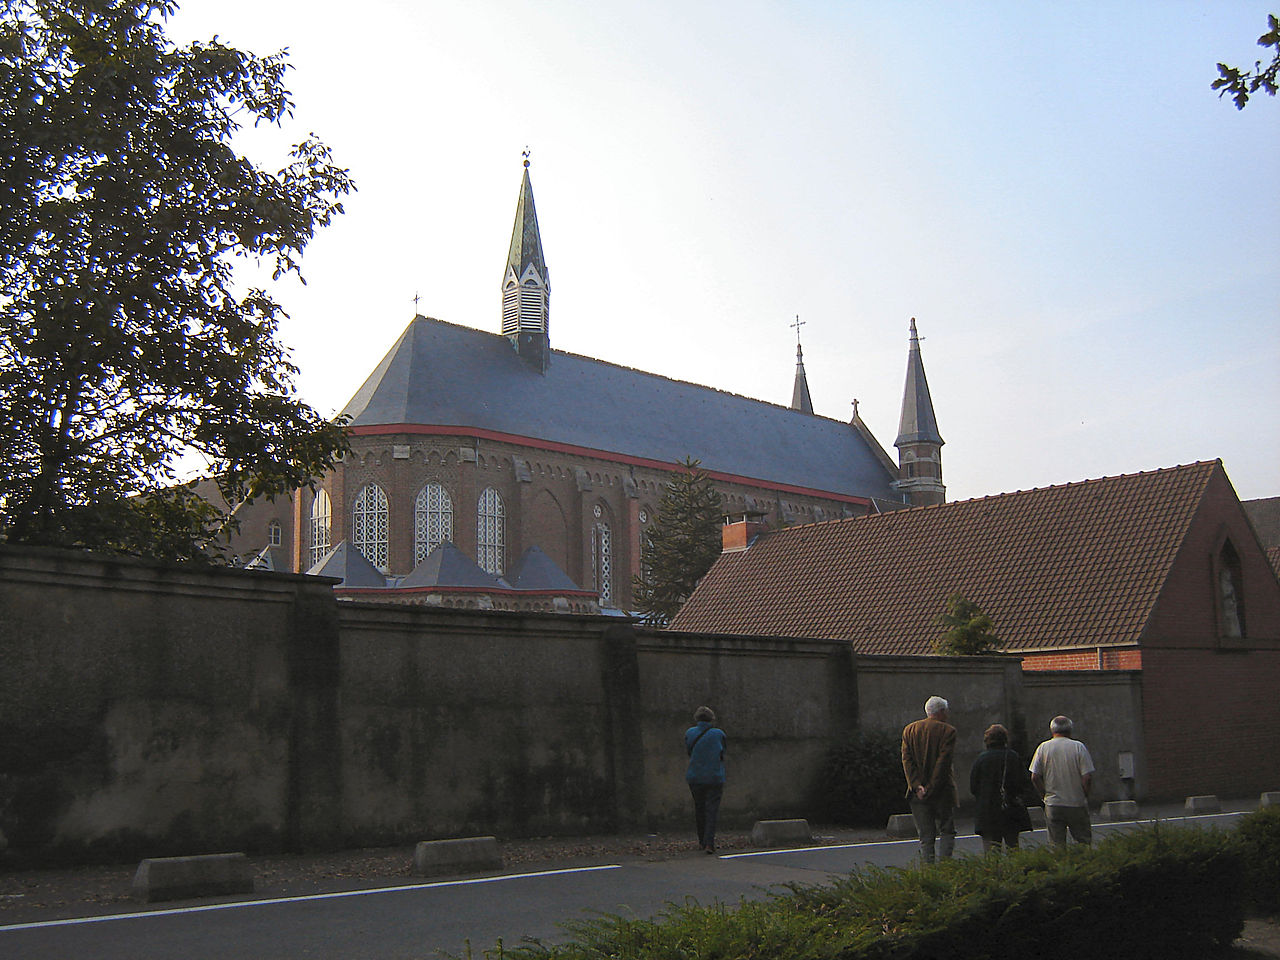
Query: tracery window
{"x": 491, "y": 532}
{"x": 318, "y": 538}
{"x": 602, "y": 561}
{"x": 432, "y": 520}
{"x": 369, "y": 525}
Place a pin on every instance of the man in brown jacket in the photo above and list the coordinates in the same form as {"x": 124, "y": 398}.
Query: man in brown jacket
{"x": 928, "y": 746}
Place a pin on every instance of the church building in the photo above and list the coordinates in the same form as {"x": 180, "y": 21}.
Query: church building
{"x": 496, "y": 443}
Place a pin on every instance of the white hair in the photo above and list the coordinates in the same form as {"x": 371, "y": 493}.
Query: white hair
{"x": 935, "y": 705}
{"x": 1060, "y": 725}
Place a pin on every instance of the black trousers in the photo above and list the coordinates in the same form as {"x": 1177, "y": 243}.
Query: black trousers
{"x": 706, "y": 808}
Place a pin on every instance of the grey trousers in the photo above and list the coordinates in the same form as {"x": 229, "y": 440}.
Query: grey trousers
{"x": 935, "y": 821}
{"x": 1058, "y": 820}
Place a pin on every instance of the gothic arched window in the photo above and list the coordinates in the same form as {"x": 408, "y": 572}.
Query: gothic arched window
{"x": 432, "y": 520}
{"x": 602, "y": 560}
{"x": 318, "y": 539}
{"x": 1231, "y": 592}
{"x": 274, "y": 533}
{"x": 491, "y": 532}
{"x": 369, "y": 525}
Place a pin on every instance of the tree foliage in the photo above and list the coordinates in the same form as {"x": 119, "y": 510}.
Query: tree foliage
{"x": 681, "y": 544}
{"x": 125, "y": 343}
{"x": 967, "y": 631}
{"x": 1241, "y": 84}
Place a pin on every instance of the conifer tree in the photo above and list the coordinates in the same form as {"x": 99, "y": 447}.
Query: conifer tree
{"x": 968, "y": 632}
{"x": 681, "y": 545}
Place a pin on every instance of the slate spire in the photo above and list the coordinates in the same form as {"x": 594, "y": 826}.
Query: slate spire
{"x": 919, "y": 443}
{"x": 526, "y": 286}
{"x": 800, "y": 399}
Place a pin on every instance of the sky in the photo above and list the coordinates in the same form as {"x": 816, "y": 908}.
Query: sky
{"x": 1086, "y": 235}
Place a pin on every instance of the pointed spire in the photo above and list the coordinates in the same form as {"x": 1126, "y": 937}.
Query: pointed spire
{"x": 526, "y": 286}
{"x": 800, "y": 399}
{"x": 918, "y": 423}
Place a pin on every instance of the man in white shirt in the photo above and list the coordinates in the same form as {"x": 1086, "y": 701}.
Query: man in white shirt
{"x": 1062, "y": 771}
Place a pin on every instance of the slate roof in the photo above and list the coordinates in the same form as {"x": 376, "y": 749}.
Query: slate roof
{"x": 447, "y": 566}
{"x": 1075, "y": 565}
{"x": 1264, "y": 514}
{"x": 442, "y": 374}
{"x": 917, "y": 423}
{"x": 526, "y": 241}
{"x": 350, "y": 566}
{"x": 536, "y": 571}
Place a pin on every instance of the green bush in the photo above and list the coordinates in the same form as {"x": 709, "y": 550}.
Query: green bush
{"x": 1258, "y": 836}
{"x": 861, "y": 782}
{"x": 1160, "y": 894}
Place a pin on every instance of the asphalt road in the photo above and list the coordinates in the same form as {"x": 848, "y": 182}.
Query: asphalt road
{"x": 427, "y": 920}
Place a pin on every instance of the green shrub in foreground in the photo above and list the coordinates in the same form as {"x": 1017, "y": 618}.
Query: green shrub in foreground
{"x": 1158, "y": 893}
{"x": 1258, "y": 836}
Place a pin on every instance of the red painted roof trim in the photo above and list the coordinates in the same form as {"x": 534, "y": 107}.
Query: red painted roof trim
{"x": 500, "y": 591}
{"x": 556, "y": 447}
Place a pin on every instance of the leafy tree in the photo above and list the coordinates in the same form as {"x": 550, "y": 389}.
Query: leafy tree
{"x": 125, "y": 344}
{"x": 1242, "y": 83}
{"x": 968, "y": 632}
{"x": 681, "y": 545}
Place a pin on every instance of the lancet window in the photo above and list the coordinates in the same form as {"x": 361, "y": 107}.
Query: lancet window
{"x": 369, "y": 524}
{"x": 432, "y": 520}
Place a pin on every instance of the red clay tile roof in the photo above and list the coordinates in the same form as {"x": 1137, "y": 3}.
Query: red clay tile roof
{"x": 1079, "y": 564}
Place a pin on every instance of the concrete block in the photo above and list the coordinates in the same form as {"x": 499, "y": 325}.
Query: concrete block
{"x": 182, "y": 878}
{"x": 1037, "y": 817}
{"x": 1120, "y": 810}
{"x": 901, "y": 825}
{"x": 775, "y": 833}
{"x": 463, "y": 855}
{"x": 1270, "y": 799}
{"x": 1205, "y": 804}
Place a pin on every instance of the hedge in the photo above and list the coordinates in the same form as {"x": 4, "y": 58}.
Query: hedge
{"x": 1157, "y": 893}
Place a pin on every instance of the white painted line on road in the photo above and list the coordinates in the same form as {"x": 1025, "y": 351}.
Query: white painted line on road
{"x": 142, "y": 914}
{"x": 966, "y": 836}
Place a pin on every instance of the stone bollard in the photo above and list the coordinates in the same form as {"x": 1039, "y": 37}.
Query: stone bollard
{"x": 463, "y": 855}
{"x": 901, "y": 825}
{"x": 774, "y": 833}
{"x": 1200, "y": 805}
{"x": 1270, "y": 799}
{"x": 182, "y": 878}
{"x": 1116, "y": 810}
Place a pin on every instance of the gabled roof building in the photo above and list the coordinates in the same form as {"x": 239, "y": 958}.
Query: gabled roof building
{"x": 497, "y": 443}
{"x": 1158, "y": 573}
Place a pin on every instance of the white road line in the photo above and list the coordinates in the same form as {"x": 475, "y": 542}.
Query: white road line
{"x": 966, "y": 836}
{"x": 142, "y": 914}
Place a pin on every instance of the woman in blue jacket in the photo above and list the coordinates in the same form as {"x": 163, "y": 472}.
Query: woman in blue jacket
{"x": 705, "y": 776}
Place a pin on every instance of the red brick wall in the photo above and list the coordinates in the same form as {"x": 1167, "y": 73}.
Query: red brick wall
{"x": 1211, "y": 719}
{"x": 1109, "y": 658}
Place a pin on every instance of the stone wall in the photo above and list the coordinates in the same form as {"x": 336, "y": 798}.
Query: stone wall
{"x": 150, "y": 710}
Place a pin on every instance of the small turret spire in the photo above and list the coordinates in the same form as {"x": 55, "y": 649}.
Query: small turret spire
{"x": 800, "y": 399}
{"x": 526, "y": 284}
{"x": 919, "y": 443}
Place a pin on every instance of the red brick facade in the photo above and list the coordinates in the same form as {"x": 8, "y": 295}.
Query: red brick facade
{"x": 1099, "y": 658}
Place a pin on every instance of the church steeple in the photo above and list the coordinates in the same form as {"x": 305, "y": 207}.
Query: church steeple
{"x": 800, "y": 399}
{"x": 919, "y": 443}
{"x": 526, "y": 286}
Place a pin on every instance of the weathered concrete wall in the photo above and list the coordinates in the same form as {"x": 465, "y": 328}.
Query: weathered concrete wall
{"x": 1105, "y": 708}
{"x": 781, "y": 703}
{"x": 144, "y": 702}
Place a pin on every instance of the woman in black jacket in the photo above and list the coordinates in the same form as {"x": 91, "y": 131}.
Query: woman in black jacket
{"x": 999, "y": 816}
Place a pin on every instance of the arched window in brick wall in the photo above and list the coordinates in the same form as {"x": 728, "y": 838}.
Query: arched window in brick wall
{"x": 1230, "y": 591}
{"x": 369, "y": 523}
{"x": 602, "y": 556}
{"x": 491, "y": 532}
{"x": 318, "y": 534}
{"x": 432, "y": 520}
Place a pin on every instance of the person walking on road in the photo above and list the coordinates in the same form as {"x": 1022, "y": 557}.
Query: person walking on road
{"x": 928, "y": 747}
{"x": 705, "y": 745}
{"x": 997, "y": 781}
{"x": 1062, "y": 772}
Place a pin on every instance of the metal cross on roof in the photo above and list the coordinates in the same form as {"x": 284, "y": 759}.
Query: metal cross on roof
{"x": 798, "y": 324}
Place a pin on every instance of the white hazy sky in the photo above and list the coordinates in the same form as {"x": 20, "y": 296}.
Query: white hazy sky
{"x": 1086, "y": 234}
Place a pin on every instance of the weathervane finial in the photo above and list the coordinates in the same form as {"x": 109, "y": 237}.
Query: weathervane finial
{"x": 525, "y": 153}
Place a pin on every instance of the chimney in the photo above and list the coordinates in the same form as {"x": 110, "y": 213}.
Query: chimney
{"x": 741, "y": 530}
